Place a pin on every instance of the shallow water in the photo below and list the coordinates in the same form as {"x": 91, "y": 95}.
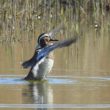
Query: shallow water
{"x": 81, "y": 82}
{"x": 58, "y": 92}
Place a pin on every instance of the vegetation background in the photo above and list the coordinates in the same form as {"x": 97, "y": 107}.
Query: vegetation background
{"x": 24, "y": 19}
{"x": 21, "y": 21}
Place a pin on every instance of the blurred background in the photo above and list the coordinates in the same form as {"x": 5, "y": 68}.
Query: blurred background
{"x": 21, "y": 22}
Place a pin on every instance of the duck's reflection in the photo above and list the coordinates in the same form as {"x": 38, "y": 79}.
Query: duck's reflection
{"x": 38, "y": 93}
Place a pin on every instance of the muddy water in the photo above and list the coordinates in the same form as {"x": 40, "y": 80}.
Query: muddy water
{"x": 80, "y": 78}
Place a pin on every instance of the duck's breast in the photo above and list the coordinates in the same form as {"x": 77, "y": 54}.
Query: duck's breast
{"x": 46, "y": 66}
{"x": 42, "y": 68}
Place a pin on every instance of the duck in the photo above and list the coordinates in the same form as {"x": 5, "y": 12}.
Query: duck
{"x": 42, "y": 61}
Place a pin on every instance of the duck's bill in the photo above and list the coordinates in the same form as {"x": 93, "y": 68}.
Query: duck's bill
{"x": 54, "y": 40}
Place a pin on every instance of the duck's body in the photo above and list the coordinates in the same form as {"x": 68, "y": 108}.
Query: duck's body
{"x": 39, "y": 70}
{"x": 42, "y": 61}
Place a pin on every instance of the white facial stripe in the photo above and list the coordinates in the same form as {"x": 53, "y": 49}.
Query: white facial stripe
{"x": 43, "y": 36}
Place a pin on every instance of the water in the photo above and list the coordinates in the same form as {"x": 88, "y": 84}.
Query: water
{"x": 57, "y": 92}
{"x": 79, "y": 80}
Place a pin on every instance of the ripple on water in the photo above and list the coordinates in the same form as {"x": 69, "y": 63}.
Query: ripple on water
{"x": 9, "y": 79}
{"x": 12, "y": 81}
{"x": 52, "y": 80}
{"x": 62, "y": 81}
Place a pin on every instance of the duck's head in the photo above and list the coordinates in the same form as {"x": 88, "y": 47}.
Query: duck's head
{"x": 45, "y": 39}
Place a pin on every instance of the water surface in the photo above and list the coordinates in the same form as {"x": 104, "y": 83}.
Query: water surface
{"x": 55, "y": 93}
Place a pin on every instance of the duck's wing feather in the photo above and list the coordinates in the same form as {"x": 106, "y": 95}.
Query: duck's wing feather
{"x": 53, "y": 32}
{"x": 30, "y": 62}
{"x": 45, "y": 51}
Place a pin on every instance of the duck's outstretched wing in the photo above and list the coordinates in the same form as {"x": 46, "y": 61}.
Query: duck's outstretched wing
{"x": 53, "y": 32}
{"x": 30, "y": 62}
{"x": 45, "y": 51}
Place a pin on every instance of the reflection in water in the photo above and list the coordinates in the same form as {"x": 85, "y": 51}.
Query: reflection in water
{"x": 38, "y": 93}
